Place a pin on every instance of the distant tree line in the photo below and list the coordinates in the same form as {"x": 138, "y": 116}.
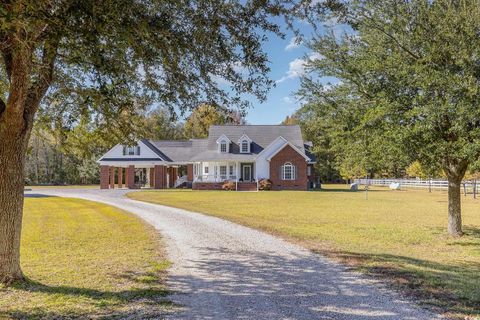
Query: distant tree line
{"x": 58, "y": 154}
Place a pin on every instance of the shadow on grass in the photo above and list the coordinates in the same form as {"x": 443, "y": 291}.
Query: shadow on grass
{"x": 147, "y": 299}
{"x": 37, "y": 195}
{"x": 450, "y": 287}
{"x": 121, "y": 296}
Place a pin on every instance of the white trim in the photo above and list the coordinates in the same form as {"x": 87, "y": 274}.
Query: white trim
{"x": 243, "y": 171}
{"x": 241, "y": 140}
{"x": 245, "y": 141}
{"x": 223, "y": 143}
{"x": 146, "y": 152}
{"x": 244, "y": 137}
{"x": 270, "y": 145}
{"x": 292, "y": 172}
{"x": 293, "y": 147}
{"x": 223, "y": 137}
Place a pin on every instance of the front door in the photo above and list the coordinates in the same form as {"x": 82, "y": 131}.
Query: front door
{"x": 247, "y": 172}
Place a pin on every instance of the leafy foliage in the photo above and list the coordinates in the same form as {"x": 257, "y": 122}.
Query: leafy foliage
{"x": 408, "y": 89}
{"x": 409, "y": 82}
{"x": 204, "y": 116}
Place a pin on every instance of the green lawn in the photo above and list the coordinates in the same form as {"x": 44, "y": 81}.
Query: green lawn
{"x": 89, "y": 260}
{"x": 397, "y": 235}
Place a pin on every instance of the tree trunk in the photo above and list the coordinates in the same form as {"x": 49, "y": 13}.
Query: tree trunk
{"x": 454, "y": 207}
{"x": 455, "y": 172}
{"x": 12, "y": 163}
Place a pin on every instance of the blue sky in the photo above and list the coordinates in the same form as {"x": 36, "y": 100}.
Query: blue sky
{"x": 286, "y": 61}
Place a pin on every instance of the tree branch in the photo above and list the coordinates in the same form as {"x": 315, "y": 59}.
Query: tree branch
{"x": 39, "y": 87}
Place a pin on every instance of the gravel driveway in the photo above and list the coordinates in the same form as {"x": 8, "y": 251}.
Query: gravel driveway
{"x": 222, "y": 270}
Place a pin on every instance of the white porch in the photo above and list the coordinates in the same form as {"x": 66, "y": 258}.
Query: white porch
{"x": 220, "y": 171}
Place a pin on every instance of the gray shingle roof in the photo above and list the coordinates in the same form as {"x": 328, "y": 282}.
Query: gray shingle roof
{"x": 261, "y": 135}
{"x": 180, "y": 151}
{"x": 206, "y": 149}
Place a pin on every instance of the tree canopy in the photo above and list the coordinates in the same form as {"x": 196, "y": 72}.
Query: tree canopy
{"x": 408, "y": 86}
{"x": 105, "y": 62}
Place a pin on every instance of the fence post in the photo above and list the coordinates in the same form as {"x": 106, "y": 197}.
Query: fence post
{"x": 430, "y": 185}
{"x": 474, "y": 189}
{"x": 366, "y": 188}
{"x": 464, "y": 189}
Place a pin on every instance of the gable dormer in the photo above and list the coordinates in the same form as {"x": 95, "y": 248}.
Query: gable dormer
{"x": 244, "y": 143}
{"x": 131, "y": 150}
{"x": 223, "y": 144}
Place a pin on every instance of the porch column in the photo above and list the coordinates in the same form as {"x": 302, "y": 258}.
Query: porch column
{"x": 190, "y": 172}
{"x": 238, "y": 168}
{"x": 160, "y": 177}
{"x": 151, "y": 172}
{"x": 130, "y": 177}
{"x": 173, "y": 172}
{"x": 112, "y": 177}
{"x": 104, "y": 177}
{"x": 120, "y": 177}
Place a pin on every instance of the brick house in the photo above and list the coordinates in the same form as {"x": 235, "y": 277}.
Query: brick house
{"x": 243, "y": 154}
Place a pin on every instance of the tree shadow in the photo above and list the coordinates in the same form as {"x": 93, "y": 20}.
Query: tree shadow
{"x": 446, "y": 287}
{"x": 145, "y": 300}
{"x": 262, "y": 285}
{"x": 37, "y": 195}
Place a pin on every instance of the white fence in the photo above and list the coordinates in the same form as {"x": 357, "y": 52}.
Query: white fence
{"x": 431, "y": 184}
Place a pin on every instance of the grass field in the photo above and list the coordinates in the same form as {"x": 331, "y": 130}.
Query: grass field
{"x": 86, "y": 260}
{"x": 397, "y": 235}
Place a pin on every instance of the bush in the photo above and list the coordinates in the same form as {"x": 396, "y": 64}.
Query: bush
{"x": 228, "y": 186}
{"x": 265, "y": 184}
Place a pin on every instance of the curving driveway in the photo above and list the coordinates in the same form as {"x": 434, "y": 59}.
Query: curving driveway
{"x": 222, "y": 270}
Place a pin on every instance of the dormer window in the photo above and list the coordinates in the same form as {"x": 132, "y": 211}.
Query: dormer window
{"x": 131, "y": 151}
{"x": 223, "y": 147}
{"x": 245, "y": 147}
{"x": 244, "y": 143}
{"x": 223, "y": 144}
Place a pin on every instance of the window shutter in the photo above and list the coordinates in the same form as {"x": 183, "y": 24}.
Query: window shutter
{"x": 138, "y": 150}
{"x": 282, "y": 177}
{"x": 124, "y": 150}
{"x": 294, "y": 172}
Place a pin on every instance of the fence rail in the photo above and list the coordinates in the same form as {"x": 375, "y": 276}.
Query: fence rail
{"x": 468, "y": 187}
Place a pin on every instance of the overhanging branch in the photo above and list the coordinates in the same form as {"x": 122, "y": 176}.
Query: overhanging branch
{"x": 39, "y": 87}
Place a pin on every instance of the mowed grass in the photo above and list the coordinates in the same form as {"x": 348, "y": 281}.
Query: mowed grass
{"x": 397, "y": 235}
{"x": 86, "y": 260}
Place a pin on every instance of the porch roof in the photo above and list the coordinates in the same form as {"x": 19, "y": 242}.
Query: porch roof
{"x": 213, "y": 155}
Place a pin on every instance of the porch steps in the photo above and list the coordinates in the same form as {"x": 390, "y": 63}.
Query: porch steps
{"x": 246, "y": 186}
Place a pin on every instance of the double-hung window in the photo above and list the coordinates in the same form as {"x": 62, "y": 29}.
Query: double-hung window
{"x": 223, "y": 172}
{"x": 244, "y": 147}
{"x": 288, "y": 171}
{"x": 223, "y": 147}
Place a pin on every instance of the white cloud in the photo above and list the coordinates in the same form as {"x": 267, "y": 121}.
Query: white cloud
{"x": 296, "y": 68}
{"x": 294, "y": 43}
{"x": 288, "y": 100}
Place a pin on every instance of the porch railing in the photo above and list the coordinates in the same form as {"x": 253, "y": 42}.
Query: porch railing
{"x": 214, "y": 178}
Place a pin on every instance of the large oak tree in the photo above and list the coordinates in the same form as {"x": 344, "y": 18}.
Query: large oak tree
{"x": 409, "y": 86}
{"x": 102, "y": 60}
